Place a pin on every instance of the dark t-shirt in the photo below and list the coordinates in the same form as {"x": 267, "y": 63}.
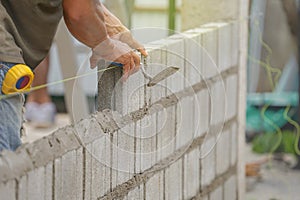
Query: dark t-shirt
{"x": 27, "y": 28}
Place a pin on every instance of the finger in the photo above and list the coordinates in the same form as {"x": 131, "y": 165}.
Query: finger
{"x": 126, "y": 70}
{"x": 143, "y": 51}
{"x": 137, "y": 62}
{"x": 132, "y": 66}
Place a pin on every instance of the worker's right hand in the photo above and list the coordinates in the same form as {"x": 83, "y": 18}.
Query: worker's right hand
{"x": 116, "y": 51}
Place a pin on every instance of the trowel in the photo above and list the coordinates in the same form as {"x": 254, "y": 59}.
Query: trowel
{"x": 158, "y": 77}
{"x": 155, "y": 79}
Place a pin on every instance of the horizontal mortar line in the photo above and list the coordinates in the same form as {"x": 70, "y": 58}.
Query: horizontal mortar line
{"x": 217, "y": 182}
{"x": 164, "y": 102}
{"x": 120, "y": 191}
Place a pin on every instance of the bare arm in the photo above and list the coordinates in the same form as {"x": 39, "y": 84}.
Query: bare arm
{"x": 85, "y": 20}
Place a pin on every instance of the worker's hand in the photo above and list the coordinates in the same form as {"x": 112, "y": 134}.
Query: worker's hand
{"x": 116, "y": 51}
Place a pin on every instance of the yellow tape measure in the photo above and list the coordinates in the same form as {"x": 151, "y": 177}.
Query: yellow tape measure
{"x": 17, "y": 79}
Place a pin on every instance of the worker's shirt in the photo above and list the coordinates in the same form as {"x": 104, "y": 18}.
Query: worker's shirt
{"x": 27, "y": 28}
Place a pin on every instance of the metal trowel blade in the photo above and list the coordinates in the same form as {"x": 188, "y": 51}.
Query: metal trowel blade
{"x": 162, "y": 75}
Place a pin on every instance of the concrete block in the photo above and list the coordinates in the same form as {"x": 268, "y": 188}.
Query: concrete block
{"x": 133, "y": 93}
{"x": 165, "y": 132}
{"x": 23, "y": 188}
{"x": 68, "y": 175}
{"x": 208, "y": 161}
{"x": 173, "y": 181}
{"x": 218, "y": 103}
{"x": 233, "y": 145}
{"x": 202, "y": 112}
{"x": 210, "y": 52}
{"x": 232, "y": 96}
{"x": 230, "y": 189}
{"x": 58, "y": 187}
{"x": 216, "y": 194}
{"x": 185, "y": 122}
{"x": 36, "y": 184}
{"x": 123, "y": 155}
{"x": 224, "y": 31}
{"x": 204, "y": 198}
{"x": 156, "y": 62}
{"x": 100, "y": 167}
{"x": 8, "y": 190}
{"x": 108, "y": 89}
{"x": 155, "y": 187}
{"x": 137, "y": 193}
{"x": 191, "y": 174}
{"x": 175, "y": 57}
{"x": 148, "y": 141}
{"x": 48, "y": 181}
{"x": 223, "y": 152}
{"x": 87, "y": 185}
{"x": 193, "y": 58}
{"x": 235, "y": 40}
{"x": 14, "y": 164}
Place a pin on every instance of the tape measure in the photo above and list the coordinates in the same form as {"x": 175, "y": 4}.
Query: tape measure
{"x": 17, "y": 79}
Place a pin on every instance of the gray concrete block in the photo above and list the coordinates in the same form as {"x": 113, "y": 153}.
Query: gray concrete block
{"x": 235, "y": 43}
{"x": 208, "y": 161}
{"x": 232, "y": 96}
{"x": 217, "y": 194}
{"x": 224, "y": 34}
{"x": 148, "y": 141}
{"x": 175, "y": 57}
{"x": 209, "y": 43}
{"x": 185, "y": 122}
{"x": 156, "y": 62}
{"x": 223, "y": 152}
{"x": 123, "y": 159}
{"x": 108, "y": 89}
{"x": 204, "y": 198}
{"x": 218, "y": 103}
{"x": 8, "y": 190}
{"x": 133, "y": 93}
{"x": 14, "y": 164}
{"x": 173, "y": 181}
{"x": 193, "y": 59}
{"x": 155, "y": 187}
{"x": 165, "y": 132}
{"x": 48, "y": 181}
{"x": 202, "y": 112}
{"x": 100, "y": 166}
{"x": 88, "y": 166}
{"x": 58, "y": 187}
{"x": 68, "y": 176}
{"x": 36, "y": 184}
{"x": 230, "y": 189}
{"x": 23, "y": 188}
{"x": 191, "y": 174}
{"x": 225, "y": 52}
{"x": 233, "y": 145}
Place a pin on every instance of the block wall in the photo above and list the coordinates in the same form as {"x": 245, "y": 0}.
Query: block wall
{"x": 175, "y": 140}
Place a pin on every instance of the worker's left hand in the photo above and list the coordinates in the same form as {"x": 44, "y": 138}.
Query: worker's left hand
{"x": 116, "y": 51}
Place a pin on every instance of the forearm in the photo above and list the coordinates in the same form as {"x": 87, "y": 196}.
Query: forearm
{"x": 85, "y": 20}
